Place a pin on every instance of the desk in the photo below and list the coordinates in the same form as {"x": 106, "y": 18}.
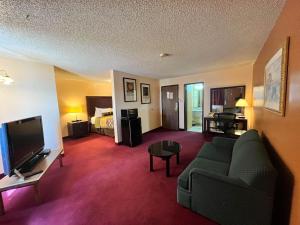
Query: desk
{"x": 208, "y": 119}
{"x": 7, "y": 183}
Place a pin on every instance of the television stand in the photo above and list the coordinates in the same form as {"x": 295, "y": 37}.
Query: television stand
{"x": 13, "y": 182}
{"x": 23, "y": 176}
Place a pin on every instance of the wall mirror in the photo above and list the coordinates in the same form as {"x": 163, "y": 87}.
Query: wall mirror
{"x": 223, "y": 99}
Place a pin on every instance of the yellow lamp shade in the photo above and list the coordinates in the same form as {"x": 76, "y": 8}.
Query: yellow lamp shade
{"x": 74, "y": 109}
{"x": 241, "y": 103}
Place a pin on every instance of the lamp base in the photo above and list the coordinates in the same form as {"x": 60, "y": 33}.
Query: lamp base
{"x": 76, "y": 121}
{"x": 240, "y": 115}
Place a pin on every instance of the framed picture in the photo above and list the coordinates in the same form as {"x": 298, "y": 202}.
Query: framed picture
{"x": 145, "y": 94}
{"x": 129, "y": 86}
{"x": 275, "y": 81}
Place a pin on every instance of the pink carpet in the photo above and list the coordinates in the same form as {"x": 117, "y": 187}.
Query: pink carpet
{"x": 103, "y": 183}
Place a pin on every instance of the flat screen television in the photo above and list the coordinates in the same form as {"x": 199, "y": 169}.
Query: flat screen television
{"x": 20, "y": 141}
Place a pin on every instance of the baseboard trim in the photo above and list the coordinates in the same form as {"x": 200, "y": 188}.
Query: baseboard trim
{"x": 121, "y": 142}
{"x": 157, "y": 128}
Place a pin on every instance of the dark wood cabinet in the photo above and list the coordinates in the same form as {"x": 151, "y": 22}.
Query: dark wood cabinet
{"x": 78, "y": 129}
{"x": 131, "y": 131}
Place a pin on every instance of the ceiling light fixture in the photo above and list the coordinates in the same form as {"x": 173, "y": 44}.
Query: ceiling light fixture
{"x": 162, "y": 55}
{"x": 4, "y": 78}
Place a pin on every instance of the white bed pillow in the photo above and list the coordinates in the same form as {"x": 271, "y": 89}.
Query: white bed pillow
{"x": 93, "y": 119}
{"x": 99, "y": 111}
{"x": 108, "y": 110}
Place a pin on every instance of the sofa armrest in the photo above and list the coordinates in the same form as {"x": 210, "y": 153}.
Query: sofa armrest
{"x": 223, "y": 142}
{"x": 228, "y": 200}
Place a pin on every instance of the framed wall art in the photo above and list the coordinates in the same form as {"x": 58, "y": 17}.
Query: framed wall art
{"x": 275, "y": 80}
{"x": 145, "y": 93}
{"x": 129, "y": 86}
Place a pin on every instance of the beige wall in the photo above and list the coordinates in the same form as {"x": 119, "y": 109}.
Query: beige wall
{"x": 71, "y": 92}
{"x": 149, "y": 113}
{"x": 282, "y": 133}
{"x": 32, "y": 94}
{"x": 238, "y": 75}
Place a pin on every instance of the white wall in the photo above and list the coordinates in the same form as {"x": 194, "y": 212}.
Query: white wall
{"x": 149, "y": 113}
{"x": 32, "y": 94}
{"x": 234, "y": 76}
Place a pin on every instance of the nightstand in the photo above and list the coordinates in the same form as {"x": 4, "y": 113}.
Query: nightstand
{"x": 77, "y": 129}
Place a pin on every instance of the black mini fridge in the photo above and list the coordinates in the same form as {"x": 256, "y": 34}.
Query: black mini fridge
{"x": 131, "y": 127}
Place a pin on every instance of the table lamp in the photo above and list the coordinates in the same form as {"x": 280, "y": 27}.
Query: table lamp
{"x": 75, "y": 110}
{"x": 241, "y": 103}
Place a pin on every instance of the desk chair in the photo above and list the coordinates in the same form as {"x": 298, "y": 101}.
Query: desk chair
{"x": 225, "y": 122}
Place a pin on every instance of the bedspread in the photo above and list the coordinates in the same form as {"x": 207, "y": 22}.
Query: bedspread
{"x": 104, "y": 122}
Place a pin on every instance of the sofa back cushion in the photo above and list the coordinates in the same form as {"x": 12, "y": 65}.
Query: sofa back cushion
{"x": 250, "y": 162}
{"x": 250, "y": 135}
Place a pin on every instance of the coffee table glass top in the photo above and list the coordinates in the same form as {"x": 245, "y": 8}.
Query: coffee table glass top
{"x": 164, "y": 148}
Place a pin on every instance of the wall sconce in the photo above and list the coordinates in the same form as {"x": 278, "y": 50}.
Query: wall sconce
{"x": 4, "y": 78}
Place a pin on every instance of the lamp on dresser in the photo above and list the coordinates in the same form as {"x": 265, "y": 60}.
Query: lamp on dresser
{"x": 75, "y": 110}
{"x": 242, "y": 103}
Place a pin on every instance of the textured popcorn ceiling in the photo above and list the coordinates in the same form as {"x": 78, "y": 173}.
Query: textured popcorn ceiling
{"x": 90, "y": 37}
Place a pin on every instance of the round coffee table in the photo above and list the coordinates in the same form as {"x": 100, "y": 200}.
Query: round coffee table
{"x": 164, "y": 150}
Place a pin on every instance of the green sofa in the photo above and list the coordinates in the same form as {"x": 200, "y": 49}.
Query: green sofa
{"x": 231, "y": 181}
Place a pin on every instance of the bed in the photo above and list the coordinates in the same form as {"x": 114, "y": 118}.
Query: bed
{"x": 102, "y": 125}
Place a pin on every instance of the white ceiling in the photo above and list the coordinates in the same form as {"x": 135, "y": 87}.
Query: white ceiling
{"x": 90, "y": 37}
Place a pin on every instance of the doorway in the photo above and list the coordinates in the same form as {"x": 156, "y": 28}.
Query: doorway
{"x": 170, "y": 107}
{"x": 193, "y": 106}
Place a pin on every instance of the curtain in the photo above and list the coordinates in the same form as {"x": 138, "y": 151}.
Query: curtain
{"x": 217, "y": 97}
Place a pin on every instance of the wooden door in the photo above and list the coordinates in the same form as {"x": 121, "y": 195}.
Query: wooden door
{"x": 170, "y": 107}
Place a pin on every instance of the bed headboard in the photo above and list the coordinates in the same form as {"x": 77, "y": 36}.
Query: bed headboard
{"x": 97, "y": 101}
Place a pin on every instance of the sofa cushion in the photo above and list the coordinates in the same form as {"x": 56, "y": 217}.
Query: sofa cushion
{"x": 202, "y": 163}
{"x": 216, "y": 153}
{"x": 224, "y": 142}
{"x": 251, "y": 164}
{"x": 250, "y": 135}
